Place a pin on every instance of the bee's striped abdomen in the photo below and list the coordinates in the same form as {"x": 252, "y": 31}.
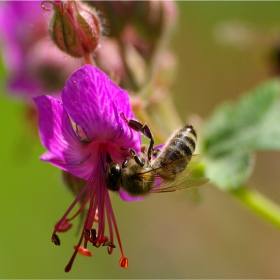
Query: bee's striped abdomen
{"x": 180, "y": 146}
{"x": 185, "y": 140}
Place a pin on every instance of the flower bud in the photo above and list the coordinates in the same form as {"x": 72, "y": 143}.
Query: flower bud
{"x": 75, "y": 27}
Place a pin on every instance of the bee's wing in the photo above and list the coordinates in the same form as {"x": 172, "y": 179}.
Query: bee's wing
{"x": 174, "y": 175}
{"x": 179, "y": 184}
{"x": 194, "y": 161}
{"x": 185, "y": 165}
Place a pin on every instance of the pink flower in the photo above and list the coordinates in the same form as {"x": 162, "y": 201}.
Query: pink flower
{"x": 35, "y": 65}
{"x": 80, "y": 133}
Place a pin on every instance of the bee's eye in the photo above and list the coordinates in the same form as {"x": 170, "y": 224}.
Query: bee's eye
{"x": 115, "y": 171}
{"x": 113, "y": 176}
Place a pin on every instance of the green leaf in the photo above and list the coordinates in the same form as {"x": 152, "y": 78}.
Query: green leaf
{"x": 236, "y": 131}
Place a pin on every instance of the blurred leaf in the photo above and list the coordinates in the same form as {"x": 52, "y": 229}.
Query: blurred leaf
{"x": 235, "y": 131}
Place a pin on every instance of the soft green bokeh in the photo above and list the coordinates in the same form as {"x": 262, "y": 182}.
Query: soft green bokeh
{"x": 238, "y": 130}
{"x": 168, "y": 235}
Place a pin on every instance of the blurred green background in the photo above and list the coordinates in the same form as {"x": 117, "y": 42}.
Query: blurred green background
{"x": 164, "y": 236}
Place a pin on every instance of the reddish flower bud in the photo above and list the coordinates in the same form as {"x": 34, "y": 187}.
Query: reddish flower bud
{"x": 75, "y": 27}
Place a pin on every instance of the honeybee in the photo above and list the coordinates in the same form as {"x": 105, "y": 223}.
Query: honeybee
{"x": 156, "y": 170}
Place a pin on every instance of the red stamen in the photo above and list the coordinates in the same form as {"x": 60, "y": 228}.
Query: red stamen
{"x": 123, "y": 262}
{"x": 99, "y": 210}
{"x": 77, "y": 199}
{"x": 83, "y": 251}
{"x": 70, "y": 263}
{"x": 111, "y": 219}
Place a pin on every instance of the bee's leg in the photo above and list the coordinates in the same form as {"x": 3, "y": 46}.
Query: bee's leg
{"x": 137, "y": 159}
{"x": 144, "y": 129}
{"x": 155, "y": 152}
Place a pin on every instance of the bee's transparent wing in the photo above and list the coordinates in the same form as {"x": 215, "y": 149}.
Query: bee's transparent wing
{"x": 175, "y": 175}
{"x": 182, "y": 165}
{"x": 179, "y": 184}
{"x": 194, "y": 161}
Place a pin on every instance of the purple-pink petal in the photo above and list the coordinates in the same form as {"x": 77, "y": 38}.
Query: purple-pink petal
{"x": 65, "y": 150}
{"x": 94, "y": 102}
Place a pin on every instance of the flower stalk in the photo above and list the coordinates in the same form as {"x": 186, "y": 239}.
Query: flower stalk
{"x": 259, "y": 204}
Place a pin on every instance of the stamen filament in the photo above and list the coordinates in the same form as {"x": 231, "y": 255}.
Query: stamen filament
{"x": 111, "y": 217}
{"x": 70, "y": 263}
{"x": 72, "y": 205}
{"x": 82, "y": 206}
{"x": 110, "y": 249}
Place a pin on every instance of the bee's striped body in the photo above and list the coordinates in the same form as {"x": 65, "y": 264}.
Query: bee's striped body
{"x": 181, "y": 145}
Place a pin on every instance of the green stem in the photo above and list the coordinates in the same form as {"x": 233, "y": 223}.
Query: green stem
{"x": 259, "y": 204}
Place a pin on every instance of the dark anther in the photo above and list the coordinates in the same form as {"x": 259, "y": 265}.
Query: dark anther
{"x": 93, "y": 235}
{"x": 108, "y": 243}
{"x": 55, "y": 239}
{"x": 86, "y": 234}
